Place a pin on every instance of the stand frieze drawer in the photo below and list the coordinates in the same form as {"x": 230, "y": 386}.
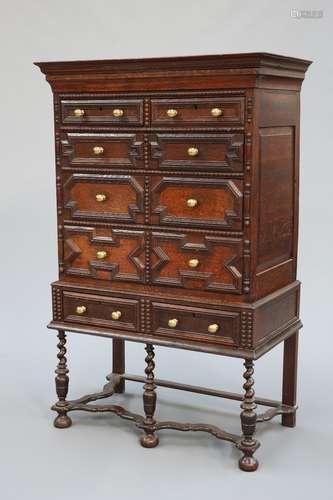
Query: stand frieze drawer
{"x": 113, "y": 150}
{"x": 112, "y": 312}
{"x": 113, "y": 198}
{"x": 197, "y": 202}
{"x": 195, "y": 261}
{"x": 197, "y": 111}
{"x": 222, "y": 152}
{"x": 108, "y": 111}
{"x": 193, "y": 323}
{"x": 109, "y": 254}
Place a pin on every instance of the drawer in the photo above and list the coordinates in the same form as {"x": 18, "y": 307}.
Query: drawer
{"x": 197, "y": 261}
{"x": 117, "y": 112}
{"x": 219, "y": 152}
{"x": 197, "y": 202}
{"x": 103, "y": 253}
{"x": 109, "y": 150}
{"x": 113, "y": 198}
{"x": 200, "y": 112}
{"x": 111, "y": 312}
{"x": 213, "y": 326}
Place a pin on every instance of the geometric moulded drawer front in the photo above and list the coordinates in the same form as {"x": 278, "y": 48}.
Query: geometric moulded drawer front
{"x": 197, "y": 202}
{"x": 114, "y": 198}
{"x": 97, "y": 310}
{"x": 109, "y": 254}
{"x": 122, "y": 150}
{"x": 197, "y": 261}
{"x": 222, "y": 153}
{"x": 193, "y": 323}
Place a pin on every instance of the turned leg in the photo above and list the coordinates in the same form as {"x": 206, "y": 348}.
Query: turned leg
{"x": 289, "y": 382}
{"x": 149, "y": 440}
{"x": 118, "y": 362}
{"x": 61, "y": 380}
{"x": 248, "y": 444}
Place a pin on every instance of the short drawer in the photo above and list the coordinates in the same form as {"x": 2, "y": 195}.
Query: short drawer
{"x": 118, "y": 112}
{"x": 197, "y": 202}
{"x": 217, "y": 152}
{"x": 201, "y": 112}
{"x": 104, "y": 253}
{"x": 121, "y": 150}
{"x": 97, "y": 310}
{"x": 197, "y": 261}
{"x": 111, "y": 197}
{"x": 214, "y": 326}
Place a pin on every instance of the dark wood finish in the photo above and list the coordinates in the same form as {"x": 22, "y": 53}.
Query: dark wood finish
{"x": 62, "y": 420}
{"x": 289, "y": 383}
{"x": 248, "y": 444}
{"x": 150, "y": 439}
{"x": 197, "y": 112}
{"x": 100, "y": 112}
{"x": 118, "y": 363}
{"x": 179, "y": 228}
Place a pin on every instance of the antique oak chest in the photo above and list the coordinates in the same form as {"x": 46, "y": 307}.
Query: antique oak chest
{"x": 177, "y": 202}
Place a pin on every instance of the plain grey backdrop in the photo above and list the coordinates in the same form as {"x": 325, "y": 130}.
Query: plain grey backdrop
{"x": 99, "y": 456}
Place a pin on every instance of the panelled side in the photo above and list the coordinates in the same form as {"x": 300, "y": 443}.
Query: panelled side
{"x": 277, "y": 181}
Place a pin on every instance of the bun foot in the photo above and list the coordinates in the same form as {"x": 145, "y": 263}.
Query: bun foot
{"x": 248, "y": 464}
{"x": 149, "y": 441}
{"x": 62, "y": 421}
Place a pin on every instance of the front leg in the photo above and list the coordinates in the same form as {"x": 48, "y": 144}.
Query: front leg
{"x": 62, "y": 420}
{"x": 248, "y": 444}
{"x": 149, "y": 440}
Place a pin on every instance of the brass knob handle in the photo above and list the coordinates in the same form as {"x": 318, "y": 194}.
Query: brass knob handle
{"x": 192, "y": 202}
{"x": 193, "y": 151}
{"x": 172, "y": 323}
{"x": 193, "y": 262}
{"x": 98, "y": 150}
{"x": 81, "y": 309}
{"x": 116, "y": 315}
{"x": 172, "y": 113}
{"x": 79, "y": 113}
{"x": 101, "y": 254}
{"x": 118, "y": 113}
{"x": 100, "y": 197}
{"x": 213, "y": 328}
{"x": 216, "y": 112}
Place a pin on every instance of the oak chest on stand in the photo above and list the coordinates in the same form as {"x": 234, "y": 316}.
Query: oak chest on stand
{"x": 177, "y": 198}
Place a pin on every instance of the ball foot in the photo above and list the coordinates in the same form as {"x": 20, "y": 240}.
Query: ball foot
{"x": 62, "y": 421}
{"x": 149, "y": 441}
{"x": 248, "y": 464}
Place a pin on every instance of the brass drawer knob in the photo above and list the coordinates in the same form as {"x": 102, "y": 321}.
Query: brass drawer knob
{"x": 79, "y": 113}
{"x": 98, "y": 150}
{"x": 193, "y": 262}
{"x": 193, "y": 151}
{"x": 118, "y": 113}
{"x": 172, "y": 323}
{"x": 81, "y": 309}
{"x": 100, "y": 197}
{"x": 116, "y": 315}
{"x": 101, "y": 254}
{"x": 172, "y": 113}
{"x": 192, "y": 202}
{"x": 213, "y": 328}
{"x": 216, "y": 112}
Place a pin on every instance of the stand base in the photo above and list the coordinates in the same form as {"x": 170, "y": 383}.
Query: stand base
{"x": 149, "y": 440}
